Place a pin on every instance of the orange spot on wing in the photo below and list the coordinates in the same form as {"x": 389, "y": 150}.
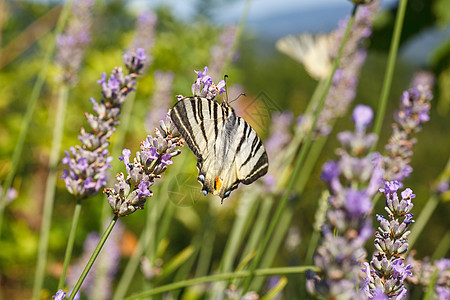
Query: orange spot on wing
{"x": 217, "y": 183}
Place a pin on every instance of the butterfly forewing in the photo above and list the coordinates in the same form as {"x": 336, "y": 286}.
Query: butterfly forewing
{"x": 228, "y": 150}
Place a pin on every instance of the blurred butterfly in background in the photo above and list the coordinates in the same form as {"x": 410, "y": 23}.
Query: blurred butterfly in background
{"x": 228, "y": 149}
{"x": 312, "y": 51}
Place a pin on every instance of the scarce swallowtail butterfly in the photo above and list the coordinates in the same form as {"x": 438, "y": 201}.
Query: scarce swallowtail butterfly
{"x": 228, "y": 149}
{"x": 310, "y": 50}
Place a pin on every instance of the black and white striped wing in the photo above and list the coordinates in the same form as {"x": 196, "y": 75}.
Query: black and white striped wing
{"x": 251, "y": 157}
{"x": 228, "y": 150}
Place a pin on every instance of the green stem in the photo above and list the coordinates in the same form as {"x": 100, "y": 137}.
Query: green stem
{"x": 427, "y": 211}
{"x": 70, "y": 242}
{"x": 422, "y": 220}
{"x": 390, "y": 69}
{"x": 442, "y": 247}
{"x": 93, "y": 257}
{"x": 430, "y": 288}
{"x": 260, "y": 225}
{"x": 311, "y": 160}
{"x": 206, "y": 250}
{"x": 221, "y": 277}
{"x": 246, "y": 214}
{"x": 133, "y": 262}
{"x": 50, "y": 190}
{"x": 274, "y": 245}
{"x": 37, "y": 87}
{"x": 299, "y": 161}
{"x": 318, "y": 222}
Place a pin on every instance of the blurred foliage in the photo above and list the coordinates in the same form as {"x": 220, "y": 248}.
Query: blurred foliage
{"x": 182, "y": 47}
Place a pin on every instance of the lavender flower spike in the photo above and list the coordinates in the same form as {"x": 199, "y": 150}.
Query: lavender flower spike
{"x": 131, "y": 191}
{"x": 413, "y": 112}
{"x": 204, "y": 86}
{"x": 343, "y": 87}
{"x": 387, "y": 270}
{"x": 87, "y": 163}
{"x": 353, "y": 180}
{"x": 145, "y": 32}
{"x": 60, "y": 295}
{"x": 72, "y": 43}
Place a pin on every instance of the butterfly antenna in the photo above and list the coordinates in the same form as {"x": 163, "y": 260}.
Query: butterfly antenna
{"x": 225, "y": 77}
{"x": 241, "y": 94}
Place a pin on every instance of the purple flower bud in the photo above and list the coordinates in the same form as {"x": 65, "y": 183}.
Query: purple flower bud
{"x": 204, "y": 86}
{"x": 357, "y": 203}
{"x": 362, "y": 116}
{"x": 126, "y": 157}
{"x": 131, "y": 192}
{"x": 60, "y": 295}
{"x": 165, "y": 159}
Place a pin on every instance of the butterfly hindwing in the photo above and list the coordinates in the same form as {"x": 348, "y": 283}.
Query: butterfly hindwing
{"x": 251, "y": 157}
{"x": 228, "y": 150}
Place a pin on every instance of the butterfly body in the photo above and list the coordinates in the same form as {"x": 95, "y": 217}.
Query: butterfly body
{"x": 228, "y": 150}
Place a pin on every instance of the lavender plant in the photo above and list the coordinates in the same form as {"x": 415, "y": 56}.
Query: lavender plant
{"x": 223, "y": 52}
{"x": 387, "y": 271}
{"x": 424, "y": 273}
{"x": 72, "y": 43}
{"x": 343, "y": 88}
{"x": 130, "y": 192}
{"x": 60, "y": 295}
{"x": 88, "y": 163}
{"x": 144, "y": 36}
{"x": 413, "y": 112}
{"x": 352, "y": 180}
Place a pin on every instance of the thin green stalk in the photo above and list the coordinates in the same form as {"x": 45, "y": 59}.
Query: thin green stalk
{"x": 221, "y": 277}
{"x": 245, "y": 215}
{"x": 389, "y": 70}
{"x": 50, "y": 190}
{"x": 70, "y": 242}
{"x": 149, "y": 240}
{"x": 427, "y": 211}
{"x": 274, "y": 245}
{"x": 206, "y": 250}
{"x": 93, "y": 257}
{"x": 260, "y": 225}
{"x": 318, "y": 222}
{"x": 31, "y": 107}
{"x": 300, "y": 160}
{"x": 442, "y": 248}
{"x": 133, "y": 262}
{"x": 311, "y": 160}
{"x": 430, "y": 288}
{"x": 422, "y": 220}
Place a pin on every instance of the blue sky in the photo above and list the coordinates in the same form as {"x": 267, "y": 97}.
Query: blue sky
{"x": 259, "y": 8}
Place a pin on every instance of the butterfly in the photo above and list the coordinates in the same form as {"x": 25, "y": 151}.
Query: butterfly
{"x": 310, "y": 50}
{"x": 228, "y": 149}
